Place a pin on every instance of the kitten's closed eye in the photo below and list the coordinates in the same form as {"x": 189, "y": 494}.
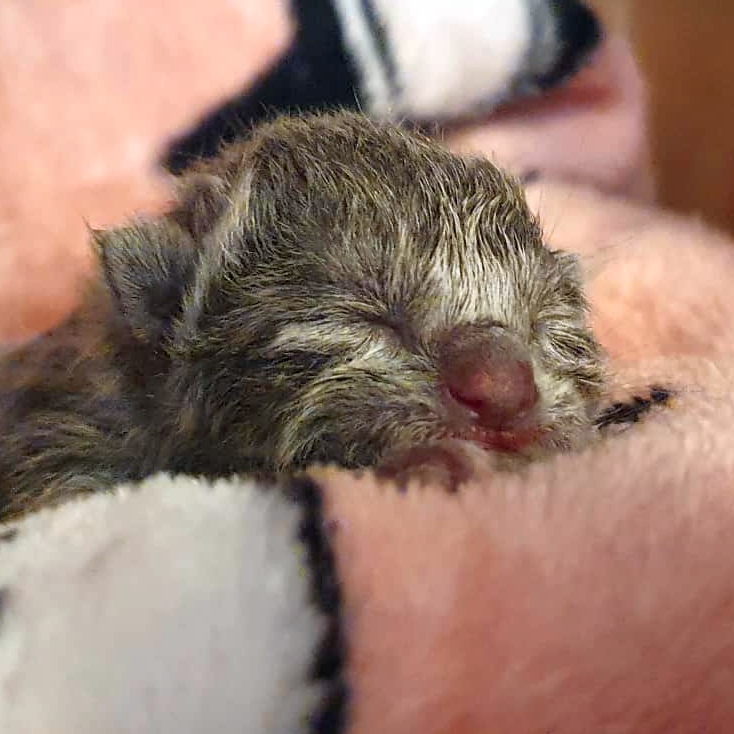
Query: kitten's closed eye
{"x": 394, "y": 325}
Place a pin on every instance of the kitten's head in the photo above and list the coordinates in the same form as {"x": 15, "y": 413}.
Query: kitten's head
{"x": 335, "y": 288}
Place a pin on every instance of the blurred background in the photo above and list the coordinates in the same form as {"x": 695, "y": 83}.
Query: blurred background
{"x": 686, "y": 51}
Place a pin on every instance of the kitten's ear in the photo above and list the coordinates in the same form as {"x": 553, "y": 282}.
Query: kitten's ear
{"x": 203, "y": 199}
{"x": 147, "y": 267}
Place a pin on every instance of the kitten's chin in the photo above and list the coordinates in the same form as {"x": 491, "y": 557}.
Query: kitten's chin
{"x": 452, "y": 462}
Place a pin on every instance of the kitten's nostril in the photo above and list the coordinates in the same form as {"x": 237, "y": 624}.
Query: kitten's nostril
{"x": 498, "y": 392}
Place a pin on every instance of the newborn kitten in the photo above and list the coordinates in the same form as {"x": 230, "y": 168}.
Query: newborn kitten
{"x": 331, "y": 290}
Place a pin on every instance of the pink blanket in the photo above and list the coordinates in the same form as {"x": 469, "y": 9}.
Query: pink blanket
{"x": 592, "y": 596}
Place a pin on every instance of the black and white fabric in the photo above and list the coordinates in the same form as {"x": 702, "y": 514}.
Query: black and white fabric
{"x": 176, "y": 607}
{"x": 406, "y": 60}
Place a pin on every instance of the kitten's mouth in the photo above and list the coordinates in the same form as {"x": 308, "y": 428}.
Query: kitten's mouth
{"x": 507, "y": 440}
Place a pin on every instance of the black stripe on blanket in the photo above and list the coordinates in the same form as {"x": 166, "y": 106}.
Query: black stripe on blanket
{"x": 331, "y": 656}
{"x": 315, "y": 73}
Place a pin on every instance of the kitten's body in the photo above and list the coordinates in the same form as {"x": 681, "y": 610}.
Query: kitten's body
{"x": 332, "y": 290}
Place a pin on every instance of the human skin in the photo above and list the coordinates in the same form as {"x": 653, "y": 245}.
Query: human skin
{"x": 593, "y": 594}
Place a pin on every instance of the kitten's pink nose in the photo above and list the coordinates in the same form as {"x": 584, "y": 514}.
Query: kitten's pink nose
{"x": 490, "y": 375}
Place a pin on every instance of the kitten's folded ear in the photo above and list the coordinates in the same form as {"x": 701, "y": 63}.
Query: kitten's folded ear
{"x": 147, "y": 267}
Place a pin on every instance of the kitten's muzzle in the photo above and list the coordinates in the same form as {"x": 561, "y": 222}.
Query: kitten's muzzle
{"x": 489, "y": 388}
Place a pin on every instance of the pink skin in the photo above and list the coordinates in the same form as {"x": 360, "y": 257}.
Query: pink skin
{"x": 593, "y": 594}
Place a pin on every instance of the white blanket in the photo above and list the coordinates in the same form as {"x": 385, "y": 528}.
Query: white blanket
{"x": 180, "y": 606}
